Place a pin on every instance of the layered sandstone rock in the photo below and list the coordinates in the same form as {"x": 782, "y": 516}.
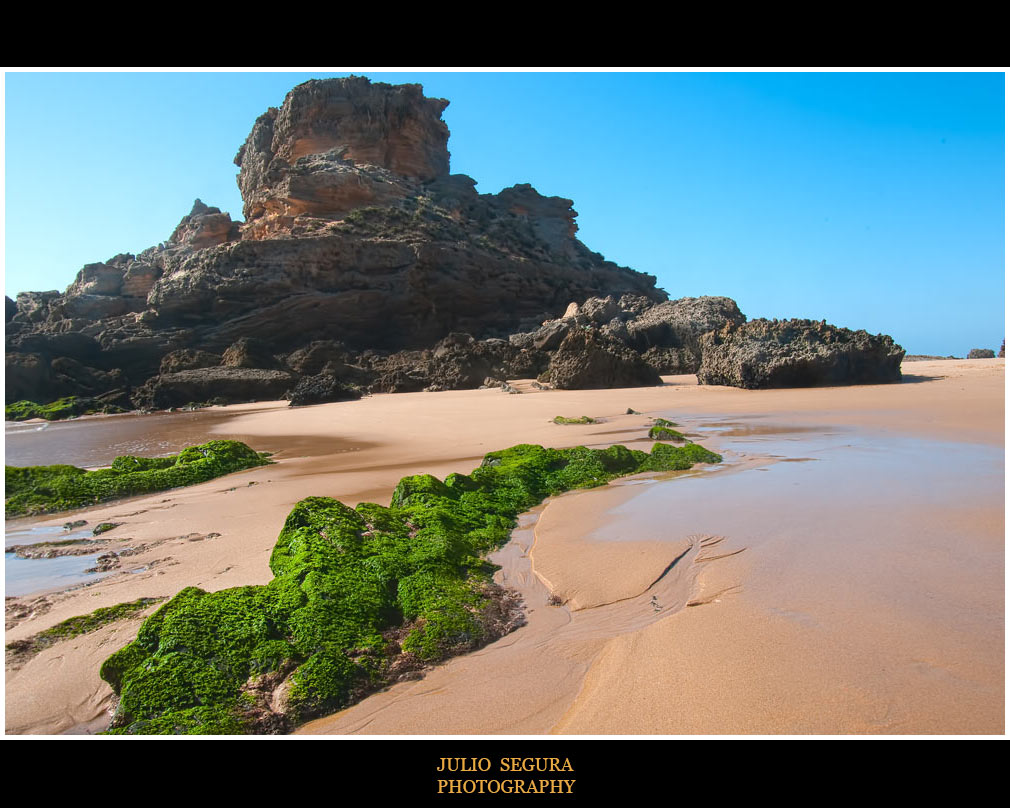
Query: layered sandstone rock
{"x": 337, "y": 145}
{"x": 204, "y": 226}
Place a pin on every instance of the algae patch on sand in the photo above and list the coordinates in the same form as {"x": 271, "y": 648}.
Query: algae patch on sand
{"x": 356, "y": 592}
{"x": 46, "y": 489}
{"x": 584, "y": 419}
{"x": 20, "y": 651}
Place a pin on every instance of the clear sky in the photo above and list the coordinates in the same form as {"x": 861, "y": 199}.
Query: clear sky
{"x": 871, "y": 200}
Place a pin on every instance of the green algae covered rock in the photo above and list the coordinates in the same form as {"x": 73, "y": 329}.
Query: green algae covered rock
{"x": 584, "y": 419}
{"x": 45, "y": 489}
{"x": 68, "y": 407}
{"x": 356, "y": 591}
{"x": 665, "y": 433}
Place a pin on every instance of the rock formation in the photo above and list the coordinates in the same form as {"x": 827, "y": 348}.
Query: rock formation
{"x": 982, "y": 353}
{"x": 796, "y": 353}
{"x": 363, "y": 264}
{"x": 355, "y": 232}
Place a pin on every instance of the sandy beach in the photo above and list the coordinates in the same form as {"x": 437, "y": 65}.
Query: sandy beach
{"x": 841, "y": 572}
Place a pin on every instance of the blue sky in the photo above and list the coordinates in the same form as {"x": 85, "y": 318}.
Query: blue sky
{"x": 870, "y": 200}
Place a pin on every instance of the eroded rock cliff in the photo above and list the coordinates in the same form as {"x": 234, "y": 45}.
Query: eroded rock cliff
{"x": 355, "y": 231}
{"x": 363, "y": 264}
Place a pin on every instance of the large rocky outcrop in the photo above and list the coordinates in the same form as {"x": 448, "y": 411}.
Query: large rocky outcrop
{"x": 797, "y": 353}
{"x": 356, "y": 232}
{"x": 361, "y": 255}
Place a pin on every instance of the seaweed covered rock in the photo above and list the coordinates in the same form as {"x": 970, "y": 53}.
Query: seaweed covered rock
{"x": 797, "y": 353}
{"x": 45, "y": 489}
{"x": 355, "y": 592}
{"x": 588, "y": 360}
{"x": 69, "y": 407}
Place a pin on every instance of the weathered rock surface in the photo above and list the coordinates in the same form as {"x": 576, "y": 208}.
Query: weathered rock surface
{"x": 249, "y": 352}
{"x": 458, "y": 362}
{"x": 188, "y": 359}
{"x": 362, "y": 259}
{"x": 1002, "y": 350}
{"x": 204, "y": 226}
{"x": 797, "y": 353}
{"x": 587, "y": 359}
{"x": 982, "y": 353}
{"x": 356, "y": 233}
{"x": 321, "y": 389}
{"x": 220, "y": 385}
{"x": 301, "y": 158}
{"x": 668, "y": 334}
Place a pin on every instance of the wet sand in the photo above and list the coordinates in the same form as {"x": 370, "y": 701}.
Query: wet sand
{"x": 859, "y": 603}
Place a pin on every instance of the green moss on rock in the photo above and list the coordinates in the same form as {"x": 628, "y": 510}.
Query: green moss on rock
{"x": 68, "y": 407}
{"x": 346, "y": 580}
{"x": 665, "y": 433}
{"x": 585, "y": 419}
{"x": 45, "y": 489}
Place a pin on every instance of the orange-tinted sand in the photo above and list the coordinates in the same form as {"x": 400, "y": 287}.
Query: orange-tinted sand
{"x": 806, "y": 596}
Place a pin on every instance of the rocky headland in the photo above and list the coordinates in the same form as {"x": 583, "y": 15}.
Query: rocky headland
{"x": 364, "y": 265}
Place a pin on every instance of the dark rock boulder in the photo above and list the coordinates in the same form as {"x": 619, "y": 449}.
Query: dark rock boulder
{"x": 29, "y": 378}
{"x": 321, "y": 389}
{"x": 1002, "y": 350}
{"x": 220, "y": 385}
{"x": 982, "y": 353}
{"x": 797, "y": 353}
{"x": 587, "y": 359}
{"x": 10, "y": 309}
{"x": 76, "y": 378}
{"x": 457, "y": 362}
